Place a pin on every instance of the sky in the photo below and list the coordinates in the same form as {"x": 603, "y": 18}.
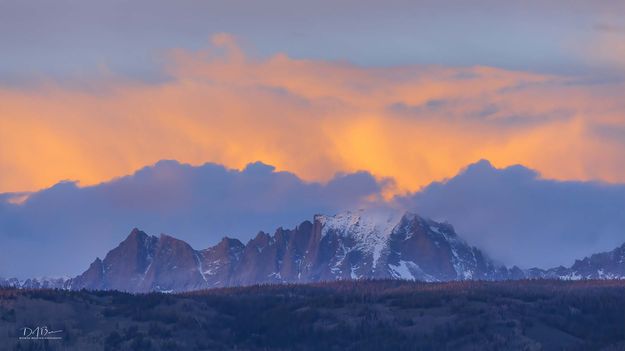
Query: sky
{"x": 391, "y": 100}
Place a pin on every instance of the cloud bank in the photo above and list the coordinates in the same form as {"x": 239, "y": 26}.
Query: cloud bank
{"x": 314, "y": 118}
{"x": 511, "y": 213}
{"x": 60, "y": 230}
{"x": 519, "y": 218}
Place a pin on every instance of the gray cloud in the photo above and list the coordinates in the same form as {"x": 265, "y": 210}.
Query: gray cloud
{"x": 75, "y": 38}
{"x": 519, "y": 218}
{"x": 60, "y": 230}
{"x": 513, "y": 214}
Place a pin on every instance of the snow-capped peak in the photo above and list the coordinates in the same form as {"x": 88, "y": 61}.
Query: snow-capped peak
{"x": 369, "y": 228}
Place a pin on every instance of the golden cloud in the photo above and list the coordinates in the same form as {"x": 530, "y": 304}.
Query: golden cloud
{"x": 415, "y": 124}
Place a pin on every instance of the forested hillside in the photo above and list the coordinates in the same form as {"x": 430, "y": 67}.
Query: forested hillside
{"x": 358, "y": 315}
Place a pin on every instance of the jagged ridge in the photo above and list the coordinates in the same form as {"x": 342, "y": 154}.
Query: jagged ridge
{"x": 350, "y": 245}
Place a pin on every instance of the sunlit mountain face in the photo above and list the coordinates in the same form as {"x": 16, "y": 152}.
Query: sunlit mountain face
{"x": 446, "y": 147}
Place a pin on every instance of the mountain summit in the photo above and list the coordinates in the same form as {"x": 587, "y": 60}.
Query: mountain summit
{"x": 350, "y": 245}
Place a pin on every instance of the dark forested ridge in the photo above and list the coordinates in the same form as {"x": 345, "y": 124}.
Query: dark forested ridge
{"x": 343, "y": 315}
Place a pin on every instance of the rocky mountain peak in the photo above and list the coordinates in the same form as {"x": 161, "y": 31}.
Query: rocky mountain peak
{"x": 229, "y": 243}
{"x": 349, "y": 245}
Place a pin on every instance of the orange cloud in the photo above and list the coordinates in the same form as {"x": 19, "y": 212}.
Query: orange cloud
{"x": 415, "y": 124}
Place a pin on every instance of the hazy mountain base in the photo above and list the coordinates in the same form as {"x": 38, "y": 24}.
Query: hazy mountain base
{"x": 357, "y": 315}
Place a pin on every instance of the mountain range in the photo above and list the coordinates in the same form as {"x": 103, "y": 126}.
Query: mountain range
{"x": 350, "y": 245}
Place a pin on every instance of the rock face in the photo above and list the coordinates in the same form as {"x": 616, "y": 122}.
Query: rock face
{"x": 359, "y": 245}
{"x": 350, "y": 245}
{"x": 143, "y": 263}
{"x": 604, "y": 265}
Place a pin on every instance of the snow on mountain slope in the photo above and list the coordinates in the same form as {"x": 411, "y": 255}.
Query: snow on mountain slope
{"x": 603, "y": 265}
{"x": 37, "y": 283}
{"x": 361, "y": 244}
{"x": 370, "y": 229}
